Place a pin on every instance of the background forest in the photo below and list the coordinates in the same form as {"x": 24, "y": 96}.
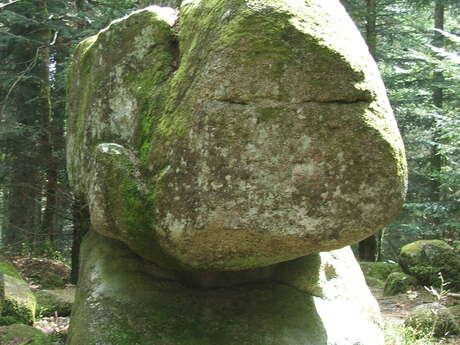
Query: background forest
{"x": 415, "y": 42}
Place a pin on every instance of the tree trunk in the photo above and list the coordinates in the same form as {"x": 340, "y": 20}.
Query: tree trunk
{"x": 371, "y": 27}
{"x": 29, "y": 108}
{"x": 81, "y": 225}
{"x": 368, "y": 248}
{"x": 438, "y": 95}
{"x": 49, "y": 158}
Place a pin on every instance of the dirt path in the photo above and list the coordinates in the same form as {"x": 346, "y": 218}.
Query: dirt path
{"x": 396, "y": 308}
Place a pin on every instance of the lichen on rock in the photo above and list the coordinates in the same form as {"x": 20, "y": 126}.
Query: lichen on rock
{"x": 259, "y": 135}
{"x": 227, "y": 150}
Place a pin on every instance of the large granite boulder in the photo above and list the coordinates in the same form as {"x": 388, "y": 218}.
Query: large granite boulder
{"x": 221, "y": 147}
{"x": 244, "y": 134}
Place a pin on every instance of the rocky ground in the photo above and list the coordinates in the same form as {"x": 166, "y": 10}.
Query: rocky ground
{"x": 395, "y": 310}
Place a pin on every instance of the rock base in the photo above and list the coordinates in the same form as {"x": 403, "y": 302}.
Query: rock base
{"x": 317, "y": 300}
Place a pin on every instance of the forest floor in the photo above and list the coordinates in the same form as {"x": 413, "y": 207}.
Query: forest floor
{"x": 395, "y": 309}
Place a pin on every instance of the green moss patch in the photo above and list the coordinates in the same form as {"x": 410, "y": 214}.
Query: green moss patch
{"x": 17, "y": 301}
{"x": 398, "y": 282}
{"x": 55, "y": 302}
{"x": 432, "y": 319}
{"x": 6, "y": 267}
{"x": 378, "y": 270}
{"x": 22, "y": 335}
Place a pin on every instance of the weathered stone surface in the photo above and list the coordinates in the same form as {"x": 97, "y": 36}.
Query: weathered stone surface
{"x": 249, "y": 133}
{"x": 17, "y": 302}
{"x": 318, "y": 300}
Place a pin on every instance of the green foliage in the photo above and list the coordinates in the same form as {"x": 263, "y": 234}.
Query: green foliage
{"x": 36, "y": 41}
{"x": 379, "y": 270}
{"x": 410, "y": 55}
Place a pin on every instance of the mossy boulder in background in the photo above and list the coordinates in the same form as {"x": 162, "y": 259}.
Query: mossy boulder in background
{"x": 22, "y": 335}
{"x": 43, "y": 272}
{"x": 426, "y": 259}
{"x": 432, "y": 319}
{"x": 233, "y": 134}
{"x": 398, "y": 282}
{"x": 55, "y": 302}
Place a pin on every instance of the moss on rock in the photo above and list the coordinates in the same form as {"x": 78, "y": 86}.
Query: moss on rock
{"x": 398, "y": 282}
{"x": 55, "y": 302}
{"x": 6, "y": 267}
{"x": 379, "y": 270}
{"x": 119, "y": 301}
{"x": 432, "y": 319}
{"x": 17, "y": 301}
{"x": 22, "y": 335}
{"x": 248, "y": 120}
{"x": 426, "y": 259}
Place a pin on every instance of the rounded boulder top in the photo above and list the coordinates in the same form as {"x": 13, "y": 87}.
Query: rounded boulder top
{"x": 243, "y": 134}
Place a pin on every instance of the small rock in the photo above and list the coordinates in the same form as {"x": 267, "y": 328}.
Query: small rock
{"x": 432, "y": 319}
{"x": 398, "y": 282}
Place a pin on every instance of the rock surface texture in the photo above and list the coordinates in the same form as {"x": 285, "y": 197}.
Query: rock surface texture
{"x": 17, "y": 302}
{"x": 221, "y": 146}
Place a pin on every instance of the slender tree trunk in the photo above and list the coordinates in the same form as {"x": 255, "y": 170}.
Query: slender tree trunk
{"x": 368, "y": 249}
{"x": 371, "y": 27}
{"x": 438, "y": 96}
{"x": 23, "y": 201}
{"x": 50, "y": 165}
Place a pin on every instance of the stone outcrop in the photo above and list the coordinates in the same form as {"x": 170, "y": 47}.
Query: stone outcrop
{"x": 317, "y": 300}
{"x": 221, "y": 146}
{"x": 17, "y": 302}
